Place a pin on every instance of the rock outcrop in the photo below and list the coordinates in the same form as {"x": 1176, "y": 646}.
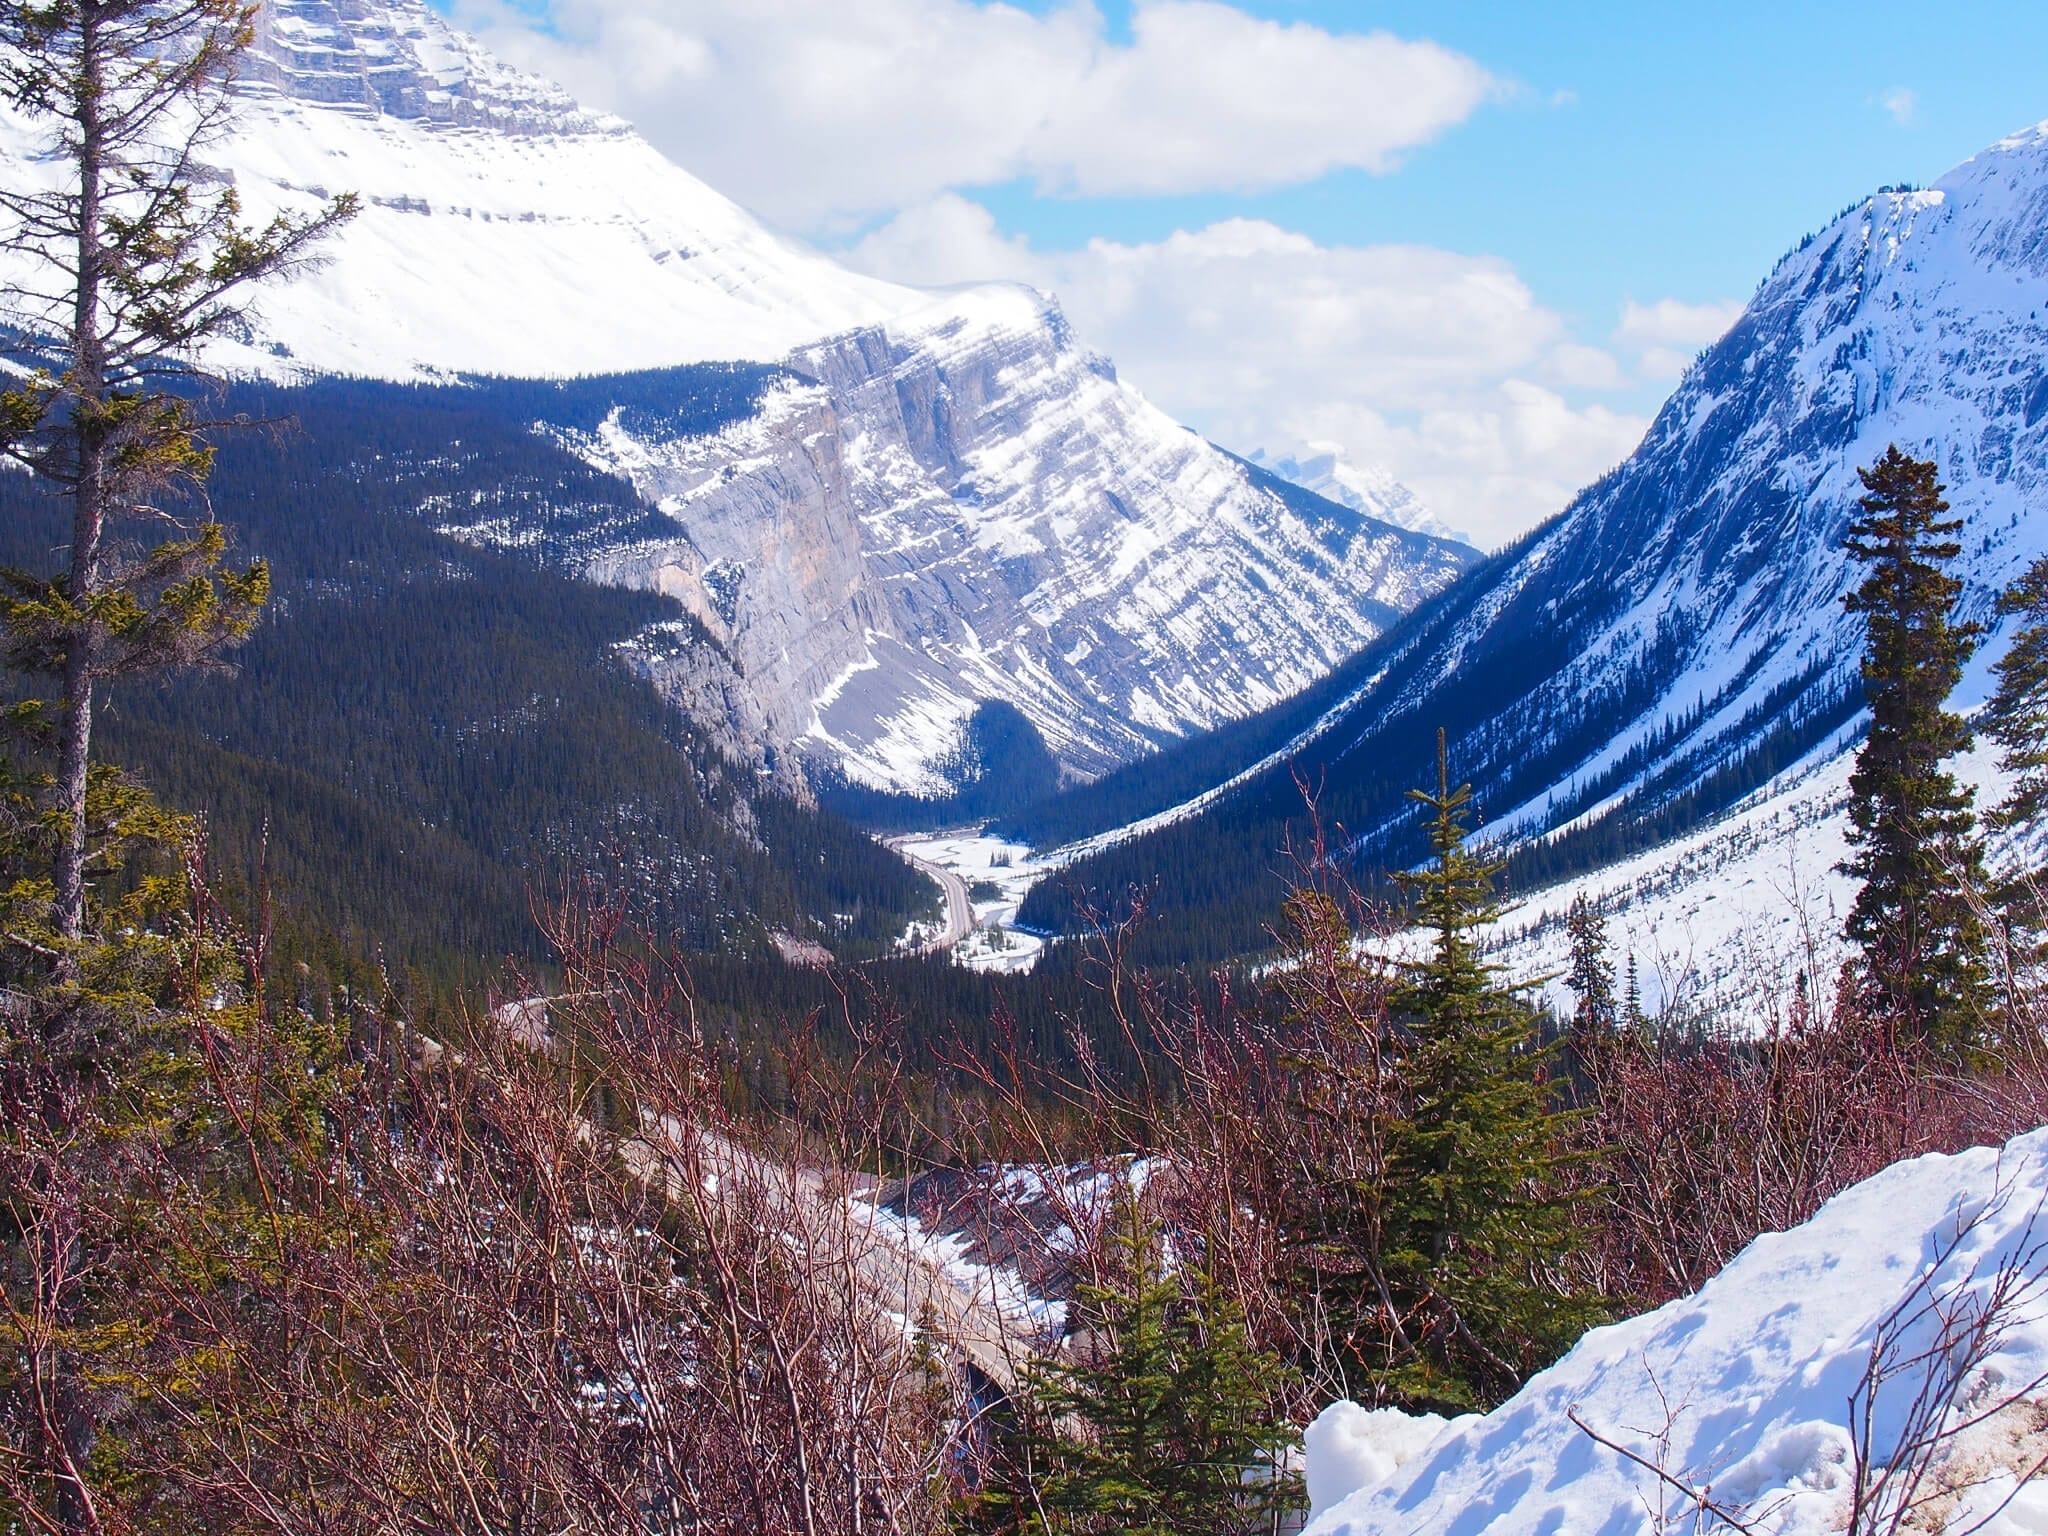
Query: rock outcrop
{"x": 967, "y": 505}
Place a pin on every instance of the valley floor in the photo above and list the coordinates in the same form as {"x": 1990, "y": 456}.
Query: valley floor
{"x": 985, "y": 879}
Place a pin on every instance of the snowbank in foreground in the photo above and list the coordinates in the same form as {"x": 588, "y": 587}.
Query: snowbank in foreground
{"x": 1748, "y": 1392}
{"x": 1348, "y": 1448}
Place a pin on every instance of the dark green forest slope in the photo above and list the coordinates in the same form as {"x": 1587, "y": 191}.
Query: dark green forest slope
{"x": 435, "y": 732}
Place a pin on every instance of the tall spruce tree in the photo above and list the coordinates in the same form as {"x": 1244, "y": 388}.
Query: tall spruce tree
{"x": 129, "y": 264}
{"x": 121, "y": 264}
{"x": 1916, "y": 920}
{"x": 1169, "y": 1424}
{"x": 2018, "y": 716}
{"x": 1478, "y": 1224}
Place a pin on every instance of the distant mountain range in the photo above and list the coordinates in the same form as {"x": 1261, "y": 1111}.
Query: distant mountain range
{"x": 1673, "y": 645}
{"x": 935, "y": 500}
{"x": 1325, "y": 469}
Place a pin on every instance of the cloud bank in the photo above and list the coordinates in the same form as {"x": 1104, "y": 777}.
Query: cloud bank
{"x": 817, "y": 112}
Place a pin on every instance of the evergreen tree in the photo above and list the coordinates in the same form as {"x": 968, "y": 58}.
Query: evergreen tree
{"x": 2018, "y": 716}
{"x": 121, "y": 267}
{"x": 1477, "y": 1227}
{"x": 126, "y": 268}
{"x": 1591, "y": 976}
{"x": 1168, "y": 1424}
{"x": 1632, "y": 998}
{"x": 1916, "y": 920}
{"x": 118, "y": 1130}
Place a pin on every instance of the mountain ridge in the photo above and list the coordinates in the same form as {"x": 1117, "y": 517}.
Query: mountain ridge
{"x": 963, "y": 504}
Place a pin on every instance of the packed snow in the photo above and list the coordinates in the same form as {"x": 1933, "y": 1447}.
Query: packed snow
{"x": 1921, "y": 1294}
{"x": 998, "y": 1287}
{"x": 1007, "y": 1236}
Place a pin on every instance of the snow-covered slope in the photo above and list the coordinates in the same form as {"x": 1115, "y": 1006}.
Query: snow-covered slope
{"x": 945, "y": 500}
{"x": 1675, "y": 641}
{"x": 1747, "y": 1391}
{"x": 503, "y": 229}
{"x": 965, "y": 504}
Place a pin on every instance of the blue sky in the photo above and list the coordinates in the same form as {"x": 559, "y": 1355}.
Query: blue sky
{"x": 1700, "y": 141}
{"x": 1470, "y": 242}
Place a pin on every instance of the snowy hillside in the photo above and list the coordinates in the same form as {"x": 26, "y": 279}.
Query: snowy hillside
{"x": 504, "y": 229}
{"x": 946, "y": 499}
{"x": 1675, "y": 641}
{"x": 1916, "y": 319}
{"x": 1903, "y": 1330}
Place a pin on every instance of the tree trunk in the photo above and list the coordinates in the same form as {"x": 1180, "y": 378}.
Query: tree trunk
{"x": 77, "y": 1419}
{"x": 88, "y": 384}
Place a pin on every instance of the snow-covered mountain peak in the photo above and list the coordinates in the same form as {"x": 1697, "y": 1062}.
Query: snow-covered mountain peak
{"x": 989, "y": 513}
{"x": 2004, "y": 191}
{"x": 937, "y": 499}
{"x": 504, "y": 228}
{"x": 1656, "y": 693}
{"x": 396, "y": 58}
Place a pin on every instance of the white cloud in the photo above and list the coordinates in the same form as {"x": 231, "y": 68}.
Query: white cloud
{"x": 1442, "y": 367}
{"x": 817, "y": 112}
{"x": 1496, "y": 460}
{"x": 1666, "y": 335}
{"x": 1673, "y": 323}
{"x": 1574, "y": 366}
{"x": 1903, "y": 104}
{"x": 950, "y": 240}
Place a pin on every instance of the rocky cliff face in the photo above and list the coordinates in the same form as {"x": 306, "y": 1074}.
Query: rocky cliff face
{"x": 967, "y": 505}
{"x": 401, "y": 62}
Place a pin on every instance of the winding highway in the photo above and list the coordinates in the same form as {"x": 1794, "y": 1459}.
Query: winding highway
{"x": 960, "y": 920}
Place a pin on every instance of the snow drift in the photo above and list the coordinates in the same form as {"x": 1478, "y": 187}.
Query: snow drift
{"x": 1892, "y": 1351}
